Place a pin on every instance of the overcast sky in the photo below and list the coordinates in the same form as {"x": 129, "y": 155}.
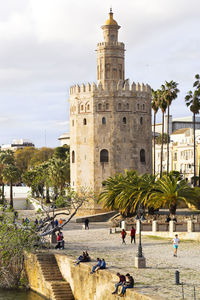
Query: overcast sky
{"x": 48, "y": 45}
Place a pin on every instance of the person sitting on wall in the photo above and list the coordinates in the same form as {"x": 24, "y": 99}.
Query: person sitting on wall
{"x": 82, "y": 258}
{"x": 96, "y": 266}
{"x": 127, "y": 285}
{"x": 122, "y": 280}
{"x": 102, "y": 265}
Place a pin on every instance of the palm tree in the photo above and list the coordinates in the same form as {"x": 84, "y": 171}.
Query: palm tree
{"x": 163, "y": 107}
{"x": 169, "y": 191}
{"x": 192, "y": 100}
{"x": 6, "y": 158}
{"x": 155, "y": 107}
{"x": 11, "y": 174}
{"x": 127, "y": 192}
{"x": 170, "y": 92}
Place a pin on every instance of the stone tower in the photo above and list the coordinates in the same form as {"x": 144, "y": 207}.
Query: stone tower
{"x": 110, "y": 122}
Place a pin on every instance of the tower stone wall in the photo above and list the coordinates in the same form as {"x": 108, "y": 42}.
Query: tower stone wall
{"x": 110, "y": 122}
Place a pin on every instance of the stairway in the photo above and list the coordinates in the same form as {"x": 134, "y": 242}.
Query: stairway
{"x": 61, "y": 289}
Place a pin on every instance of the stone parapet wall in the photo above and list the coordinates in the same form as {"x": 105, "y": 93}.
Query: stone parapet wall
{"x": 85, "y": 286}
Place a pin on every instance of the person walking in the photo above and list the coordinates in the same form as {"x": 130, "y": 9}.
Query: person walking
{"x": 175, "y": 242}
{"x": 123, "y": 233}
{"x": 132, "y": 234}
{"x": 86, "y": 223}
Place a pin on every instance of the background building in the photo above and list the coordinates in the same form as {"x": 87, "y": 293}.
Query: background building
{"x": 181, "y": 153}
{"x": 64, "y": 139}
{"x": 110, "y": 123}
{"x": 176, "y": 123}
{"x": 17, "y": 144}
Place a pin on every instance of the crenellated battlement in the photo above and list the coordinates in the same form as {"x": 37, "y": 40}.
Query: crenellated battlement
{"x": 106, "y": 44}
{"x": 112, "y": 86}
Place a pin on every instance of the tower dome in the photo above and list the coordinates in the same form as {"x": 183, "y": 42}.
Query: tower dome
{"x": 111, "y": 21}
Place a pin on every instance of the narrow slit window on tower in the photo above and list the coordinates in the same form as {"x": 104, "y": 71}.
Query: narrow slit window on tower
{"x": 138, "y": 106}
{"x": 127, "y": 105}
{"x": 119, "y": 106}
{"x": 142, "y": 156}
{"x": 124, "y": 120}
{"x": 88, "y": 107}
{"x": 107, "y": 106}
{"x": 103, "y": 120}
{"x": 141, "y": 120}
{"x": 72, "y": 122}
{"x": 104, "y": 156}
{"x": 143, "y": 106}
{"x": 84, "y": 121}
{"x": 73, "y": 156}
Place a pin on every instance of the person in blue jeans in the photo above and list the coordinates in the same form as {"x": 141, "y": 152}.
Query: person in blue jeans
{"x": 122, "y": 280}
{"x": 96, "y": 266}
{"x": 102, "y": 265}
{"x": 128, "y": 284}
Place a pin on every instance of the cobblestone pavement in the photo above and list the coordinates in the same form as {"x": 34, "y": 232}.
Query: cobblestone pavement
{"x": 159, "y": 276}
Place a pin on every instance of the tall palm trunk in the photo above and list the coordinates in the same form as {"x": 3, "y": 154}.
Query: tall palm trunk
{"x": 154, "y": 144}
{"x": 161, "y": 154}
{"x": 194, "y": 127}
{"x": 47, "y": 194}
{"x": 168, "y": 139}
{"x": 11, "y": 194}
{"x": 3, "y": 193}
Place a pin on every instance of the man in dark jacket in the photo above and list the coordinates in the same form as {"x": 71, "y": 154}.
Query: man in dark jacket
{"x": 122, "y": 280}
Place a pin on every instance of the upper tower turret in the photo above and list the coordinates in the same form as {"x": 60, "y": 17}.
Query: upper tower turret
{"x": 110, "y": 53}
{"x": 110, "y": 29}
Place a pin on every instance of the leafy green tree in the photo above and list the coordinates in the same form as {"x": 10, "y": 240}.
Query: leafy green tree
{"x": 155, "y": 107}
{"x": 14, "y": 240}
{"x": 23, "y": 158}
{"x": 41, "y": 155}
{"x": 61, "y": 152}
{"x": 192, "y": 100}
{"x": 170, "y": 92}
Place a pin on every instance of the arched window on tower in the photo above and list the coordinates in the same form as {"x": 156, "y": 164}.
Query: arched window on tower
{"x": 104, "y": 156}
{"x": 107, "y": 106}
{"x": 142, "y": 156}
{"x": 119, "y": 106}
{"x": 124, "y": 120}
{"x": 103, "y": 120}
{"x": 73, "y": 156}
{"x": 99, "y": 106}
{"x": 84, "y": 121}
{"x": 127, "y": 105}
{"x": 141, "y": 120}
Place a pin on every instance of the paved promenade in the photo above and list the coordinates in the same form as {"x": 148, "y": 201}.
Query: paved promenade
{"x": 158, "y": 277}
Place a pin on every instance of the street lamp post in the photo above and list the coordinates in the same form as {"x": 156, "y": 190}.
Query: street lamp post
{"x": 140, "y": 261}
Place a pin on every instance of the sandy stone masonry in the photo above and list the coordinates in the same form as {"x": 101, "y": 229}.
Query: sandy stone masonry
{"x": 110, "y": 122}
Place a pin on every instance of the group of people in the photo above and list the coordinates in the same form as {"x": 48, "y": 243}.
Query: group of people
{"x": 132, "y": 235}
{"x": 82, "y": 258}
{"x": 126, "y": 282}
{"x": 100, "y": 265}
{"x": 60, "y": 241}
